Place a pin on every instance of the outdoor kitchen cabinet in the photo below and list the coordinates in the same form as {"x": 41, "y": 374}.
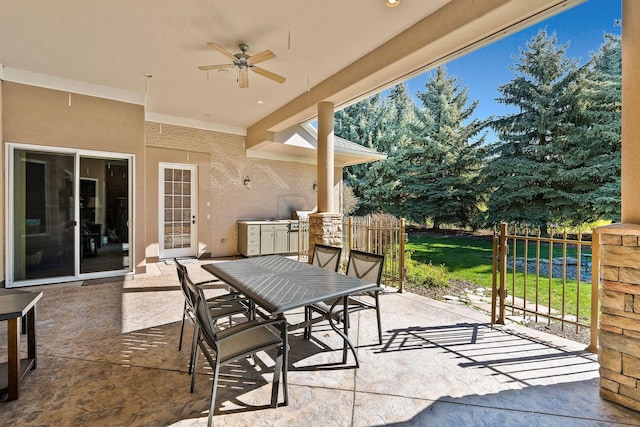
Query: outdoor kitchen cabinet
{"x": 264, "y": 238}
{"x": 274, "y": 239}
{"x": 248, "y": 239}
{"x": 293, "y": 241}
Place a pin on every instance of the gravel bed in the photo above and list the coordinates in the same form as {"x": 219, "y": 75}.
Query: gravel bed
{"x": 557, "y": 267}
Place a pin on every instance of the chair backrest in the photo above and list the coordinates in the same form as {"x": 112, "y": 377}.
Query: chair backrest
{"x": 366, "y": 266}
{"x": 327, "y": 257}
{"x": 183, "y": 276}
{"x": 203, "y": 314}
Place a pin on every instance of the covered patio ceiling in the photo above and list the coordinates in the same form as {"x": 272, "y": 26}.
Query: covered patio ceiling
{"x": 148, "y": 52}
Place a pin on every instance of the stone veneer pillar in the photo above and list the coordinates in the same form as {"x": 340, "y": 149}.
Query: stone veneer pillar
{"x": 325, "y": 229}
{"x": 619, "y": 327}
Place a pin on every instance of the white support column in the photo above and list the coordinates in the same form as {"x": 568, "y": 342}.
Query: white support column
{"x": 325, "y": 157}
{"x": 325, "y": 226}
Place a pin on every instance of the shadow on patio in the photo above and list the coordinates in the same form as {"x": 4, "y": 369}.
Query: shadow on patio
{"x": 108, "y": 355}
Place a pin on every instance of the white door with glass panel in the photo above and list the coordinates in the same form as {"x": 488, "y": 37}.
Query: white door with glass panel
{"x": 178, "y": 207}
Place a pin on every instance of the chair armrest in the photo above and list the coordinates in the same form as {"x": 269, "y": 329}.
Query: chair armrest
{"x": 205, "y": 282}
{"x": 245, "y": 327}
{"x": 369, "y": 291}
{"x": 221, "y": 299}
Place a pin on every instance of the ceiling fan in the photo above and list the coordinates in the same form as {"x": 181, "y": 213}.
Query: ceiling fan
{"x": 244, "y": 63}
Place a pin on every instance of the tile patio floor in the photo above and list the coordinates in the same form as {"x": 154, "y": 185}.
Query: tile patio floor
{"x": 107, "y": 356}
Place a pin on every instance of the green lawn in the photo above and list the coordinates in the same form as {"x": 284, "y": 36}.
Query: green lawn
{"x": 470, "y": 260}
{"x": 465, "y": 259}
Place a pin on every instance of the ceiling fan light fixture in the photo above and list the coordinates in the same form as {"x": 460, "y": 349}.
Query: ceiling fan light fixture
{"x": 392, "y": 3}
{"x": 243, "y": 77}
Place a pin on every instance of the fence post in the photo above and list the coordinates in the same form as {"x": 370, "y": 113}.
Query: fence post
{"x": 502, "y": 250}
{"x": 595, "y": 287}
{"x": 367, "y": 244}
{"x": 494, "y": 275}
{"x": 403, "y": 269}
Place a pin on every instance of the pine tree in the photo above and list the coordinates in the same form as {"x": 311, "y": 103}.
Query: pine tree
{"x": 528, "y": 162}
{"x": 592, "y": 174}
{"x": 360, "y": 123}
{"x": 441, "y": 165}
{"x": 378, "y": 124}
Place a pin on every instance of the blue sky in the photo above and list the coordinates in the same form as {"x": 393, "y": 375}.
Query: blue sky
{"x": 483, "y": 70}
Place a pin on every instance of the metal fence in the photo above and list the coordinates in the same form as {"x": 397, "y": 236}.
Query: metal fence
{"x": 553, "y": 276}
{"x": 550, "y": 277}
{"x": 380, "y": 234}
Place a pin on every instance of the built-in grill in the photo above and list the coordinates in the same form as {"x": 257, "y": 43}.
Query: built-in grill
{"x": 299, "y": 216}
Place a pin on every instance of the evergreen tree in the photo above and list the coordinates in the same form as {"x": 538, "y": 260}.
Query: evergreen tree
{"x": 378, "y": 124}
{"x": 592, "y": 173}
{"x": 441, "y": 165}
{"x": 527, "y": 169}
{"x": 359, "y": 123}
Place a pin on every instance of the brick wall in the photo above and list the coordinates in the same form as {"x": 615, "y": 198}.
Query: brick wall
{"x": 229, "y": 200}
{"x": 619, "y": 327}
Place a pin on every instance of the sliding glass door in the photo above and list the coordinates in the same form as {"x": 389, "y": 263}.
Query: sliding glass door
{"x": 42, "y": 224}
{"x": 68, "y": 215}
{"x": 104, "y": 214}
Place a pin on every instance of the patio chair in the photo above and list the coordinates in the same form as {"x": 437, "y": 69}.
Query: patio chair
{"x": 363, "y": 265}
{"x": 327, "y": 257}
{"x": 237, "y": 342}
{"x": 220, "y": 306}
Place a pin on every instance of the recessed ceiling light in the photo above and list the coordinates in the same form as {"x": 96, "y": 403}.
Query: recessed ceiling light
{"x": 393, "y": 3}
{"x": 148, "y": 75}
{"x": 223, "y": 71}
{"x": 260, "y": 101}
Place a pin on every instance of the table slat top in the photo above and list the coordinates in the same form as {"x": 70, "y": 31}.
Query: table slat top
{"x": 279, "y": 284}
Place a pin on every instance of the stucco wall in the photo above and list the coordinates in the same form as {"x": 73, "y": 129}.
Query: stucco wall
{"x": 273, "y": 183}
{"x": 2, "y": 184}
{"x": 46, "y": 117}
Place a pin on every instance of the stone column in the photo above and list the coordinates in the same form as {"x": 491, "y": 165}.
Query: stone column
{"x": 619, "y": 327}
{"x": 619, "y": 253}
{"x": 325, "y": 229}
{"x": 630, "y": 111}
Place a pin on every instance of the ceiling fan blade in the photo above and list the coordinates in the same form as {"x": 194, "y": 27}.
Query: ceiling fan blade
{"x": 268, "y": 74}
{"x": 262, "y": 56}
{"x": 215, "y": 67}
{"x": 222, "y": 50}
{"x": 243, "y": 77}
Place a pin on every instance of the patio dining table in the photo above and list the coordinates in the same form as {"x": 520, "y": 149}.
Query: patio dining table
{"x": 278, "y": 284}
